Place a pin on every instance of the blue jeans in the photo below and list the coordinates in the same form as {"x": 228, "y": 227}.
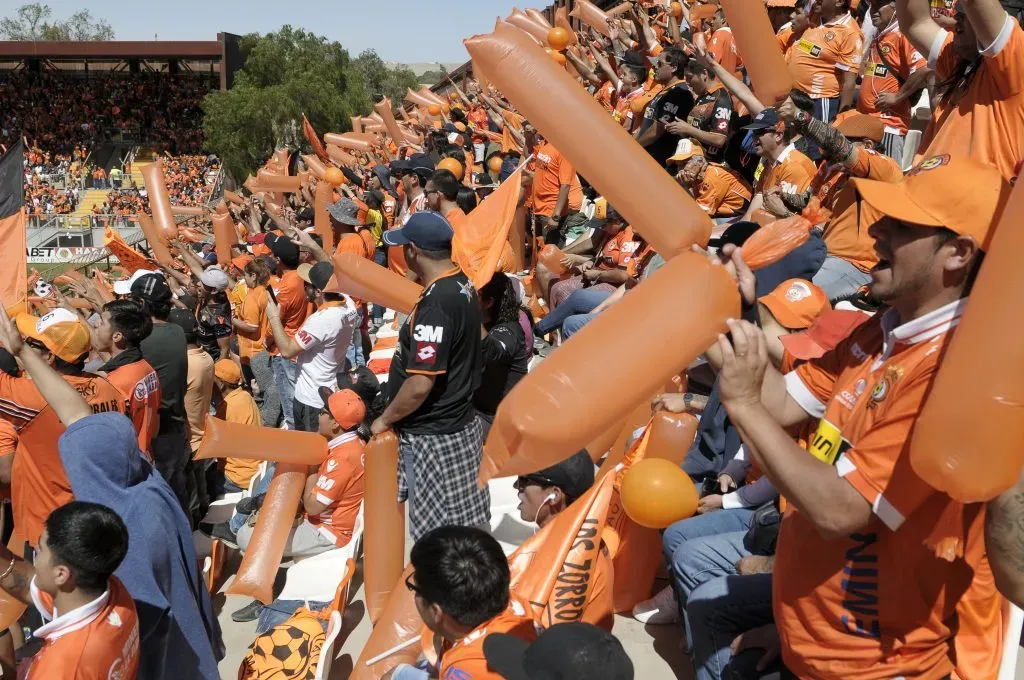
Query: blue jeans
{"x": 354, "y": 353}
{"x": 286, "y": 372}
{"x": 839, "y": 279}
{"x": 238, "y": 519}
{"x": 580, "y": 301}
{"x": 575, "y": 323}
{"x": 718, "y": 611}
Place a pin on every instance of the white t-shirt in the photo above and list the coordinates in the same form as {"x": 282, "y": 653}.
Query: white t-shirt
{"x": 324, "y": 338}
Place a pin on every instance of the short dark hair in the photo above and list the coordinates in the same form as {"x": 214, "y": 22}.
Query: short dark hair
{"x": 446, "y": 184}
{"x": 88, "y": 538}
{"x": 464, "y": 571}
{"x": 802, "y": 100}
{"x": 130, "y": 319}
{"x": 677, "y": 58}
{"x": 442, "y": 254}
{"x": 159, "y": 310}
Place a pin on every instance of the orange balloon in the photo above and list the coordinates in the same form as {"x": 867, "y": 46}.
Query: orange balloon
{"x": 494, "y": 163}
{"x": 557, "y": 56}
{"x": 334, "y": 176}
{"x": 677, "y": 10}
{"x": 551, "y": 257}
{"x": 434, "y": 110}
{"x": 451, "y": 165}
{"x": 656, "y": 492}
{"x": 558, "y": 38}
{"x": 446, "y": 108}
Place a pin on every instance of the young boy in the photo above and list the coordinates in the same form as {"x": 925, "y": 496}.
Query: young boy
{"x": 92, "y": 631}
{"x": 235, "y": 405}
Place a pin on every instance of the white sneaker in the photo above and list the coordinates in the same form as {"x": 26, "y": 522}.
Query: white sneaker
{"x": 660, "y": 610}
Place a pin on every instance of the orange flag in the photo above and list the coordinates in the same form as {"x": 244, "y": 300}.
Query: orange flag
{"x": 130, "y": 259}
{"x": 313, "y": 139}
{"x": 554, "y": 568}
{"x": 483, "y": 242}
{"x": 14, "y": 269}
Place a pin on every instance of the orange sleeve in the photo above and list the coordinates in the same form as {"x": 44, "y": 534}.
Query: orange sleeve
{"x": 1007, "y": 64}
{"x": 873, "y": 165}
{"x": 566, "y": 171}
{"x": 947, "y": 59}
{"x": 813, "y": 382}
{"x": 8, "y": 438}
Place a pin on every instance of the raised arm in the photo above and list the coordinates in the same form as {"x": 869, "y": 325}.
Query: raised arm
{"x": 915, "y": 19}
{"x": 736, "y": 86}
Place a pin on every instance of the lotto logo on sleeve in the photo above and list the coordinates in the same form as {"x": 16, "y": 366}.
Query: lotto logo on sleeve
{"x": 426, "y": 352}
{"x": 422, "y": 333}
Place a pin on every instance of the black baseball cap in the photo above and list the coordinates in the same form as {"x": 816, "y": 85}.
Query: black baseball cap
{"x": 566, "y": 651}
{"x": 427, "y": 230}
{"x": 573, "y": 476}
{"x": 320, "y": 275}
{"x": 767, "y": 119}
{"x": 151, "y": 288}
{"x": 283, "y": 249}
{"x": 185, "y": 319}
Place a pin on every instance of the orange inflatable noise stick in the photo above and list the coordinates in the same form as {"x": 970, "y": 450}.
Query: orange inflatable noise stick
{"x": 533, "y": 428}
{"x": 395, "y": 639}
{"x": 531, "y": 27}
{"x": 562, "y": 21}
{"x": 266, "y": 181}
{"x": 431, "y": 97}
{"x": 365, "y": 279}
{"x": 225, "y": 237}
{"x": 384, "y": 537}
{"x": 775, "y": 240}
{"x": 314, "y": 165}
{"x": 417, "y": 99}
{"x": 190, "y": 210}
{"x": 11, "y": 609}
{"x": 250, "y": 442}
{"x": 965, "y": 440}
{"x": 539, "y": 19}
{"x": 671, "y": 436}
{"x": 323, "y": 196}
{"x": 157, "y": 242}
{"x": 340, "y": 156}
{"x": 232, "y": 197}
{"x": 255, "y": 577}
{"x": 383, "y": 107}
{"x": 756, "y": 43}
{"x": 649, "y": 198}
{"x": 350, "y": 140}
{"x": 589, "y": 14}
{"x": 159, "y": 199}
{"x": 357, "y": 124}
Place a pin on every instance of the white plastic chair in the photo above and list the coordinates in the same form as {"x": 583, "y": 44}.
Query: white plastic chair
{"x": 323, "y": 667}
{"x": 910, "y": 145}
{"x": 222, "y": 508}
{"x": 316, "y": 578}
{"x": 506, "y": 525}
{"x": 1011, "y": 643}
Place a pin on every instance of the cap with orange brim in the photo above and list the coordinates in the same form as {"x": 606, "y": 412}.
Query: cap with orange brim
{"x": 831, "y": 327}
{"x": 62, "y": 332}
{"x": 959, "y": 193}
{"x": 796, "y": 303}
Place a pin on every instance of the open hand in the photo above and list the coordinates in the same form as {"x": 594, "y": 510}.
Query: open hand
{"x": 744, "y": 361}
{"x": 10, "y": 338}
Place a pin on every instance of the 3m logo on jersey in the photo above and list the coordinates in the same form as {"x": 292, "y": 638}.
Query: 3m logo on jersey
{"x": 422, "y": 333}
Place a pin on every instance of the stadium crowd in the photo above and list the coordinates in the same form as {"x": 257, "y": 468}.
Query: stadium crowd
{"x": 815, "y": 549}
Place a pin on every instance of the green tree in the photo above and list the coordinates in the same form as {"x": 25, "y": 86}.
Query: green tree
{"x": 380, "y": 80}
{"x": 32, "y": 22}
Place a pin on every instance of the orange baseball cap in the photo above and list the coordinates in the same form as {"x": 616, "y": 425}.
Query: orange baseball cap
{"x": 796, "y": 303}
{"x": 345, "y": 406}
{"x": 831, "y": 327}
{"x": 60, "y": 331}
{"x": 241, "y": 261}
{"x": 228, "y": 371}
{"x": 957, "y": 192}
{"x": 862, "y": 126}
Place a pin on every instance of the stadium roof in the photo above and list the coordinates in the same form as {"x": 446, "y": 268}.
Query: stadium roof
{"x": 113, "y": 49}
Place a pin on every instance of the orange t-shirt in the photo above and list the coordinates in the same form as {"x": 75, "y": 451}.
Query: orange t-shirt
{"x": 97, "y": 641}
{"x": 552, "y": 171}
{"x": 465, "y": 659}
{"x": 351, "y": 243}
{"x": 784, "y": 36}
{"x": 820, "y": 51}
{"x": 619, "y": 250}
{"x": 879, "y": 78}
{"x": 253, "y": 311}
{"x": 723, "y": 47}
{"x": 846, "y": 231}
{"x": 340, "y": 486}
{"x": 884, "y": 602}
{"x": 290, "y": 291}
{"x": 38, "y": 482}
{"x": 723, "y": 192}
{"x": 987, "y": 122}
{"x": 792, "y": 173}
{"x": 604, "y": 96}
{"x": 141, "y": 387}
{"x": 239, "y": 407}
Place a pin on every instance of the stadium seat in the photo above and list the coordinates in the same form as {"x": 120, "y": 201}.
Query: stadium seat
{"x": 1011, "y": 643}
{"x": 327, "y": 653}
{"x": 317, "y": 578}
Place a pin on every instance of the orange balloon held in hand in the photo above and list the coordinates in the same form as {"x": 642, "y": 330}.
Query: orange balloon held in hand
{"x": 551, "y": 257}
{"x": 656, "y": 492}
{"x": 558, "y": 38}
{"x": 677, "y": 10}
{"x": 334, "y": 176}
{"x": 434, "y": 110}
{"x": 452, "y": 166}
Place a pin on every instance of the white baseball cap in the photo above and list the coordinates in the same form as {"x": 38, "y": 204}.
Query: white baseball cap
{"x": 124, "y": 286}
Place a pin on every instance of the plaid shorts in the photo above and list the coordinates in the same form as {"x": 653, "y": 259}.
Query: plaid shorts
{"x": 437, "y": 476}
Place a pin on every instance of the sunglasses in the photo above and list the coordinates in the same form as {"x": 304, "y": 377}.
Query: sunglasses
{"x": 532, "y": 480}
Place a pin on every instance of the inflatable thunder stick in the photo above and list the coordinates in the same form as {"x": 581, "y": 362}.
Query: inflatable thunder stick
{"x": 231, "y": 440}
{"x": 417, "y": 99}
{"x": 638, "y": 417}
{"x": 532, "y": 429}
{"x": 672, "y": 434}
{"x": 323, "y": 196}
{"x": 266, "y": 181}
{"x": 536, "y": 31}
{"x": 383, "y": 107}
{"x": 232, "y": 197}
{"x": 340, "y": 156}
{"x": 190, "y": 210}
{"x": 262, "y": 559}
{"x": 157, "y": 242}
{"x": 384, "y": 520}
{"x": 431, "y": 97}
{"x": 539, "y": 18}
{"x": 314, "y": 165}
{"x": 756, "y": 43}
{"x": 159, "y": 199}
{"x": 367, "y": 280}
{"x": 395, "y": 639}
{"x": 966, "y": 440}
{"x": 225, "y": 237}
{"x": 354, "y": 141}
{"x": 589, "y": 14}
{"x": 649, "y": 198}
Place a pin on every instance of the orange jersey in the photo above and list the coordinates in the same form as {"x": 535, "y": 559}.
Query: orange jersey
{"x": 141, "y": 387}
{"x": 97, "y": 641}
{"x": 464, "y": 660}
{"x": 846, "y": 231}
{"x": 290, "y": 291}
{"x": 820, "y": 51}
{"x": 239, "y": 407}
{"x": 38, "y": 482}
{"x": 723, "y": 192}
{"x": 351, "y": 243}
{"x": 389, "y": 208}
{"x": 723, "y": 46}
{"x": 340, "y": 486}
{"x": 604, "y": 96}
{"x": 886, "y": 601}
{"x": 253, "y": 310}
{"x": 784, "y": 36}
{"x": 987, "y": 121}
{"x": 890, "y": 54}
{"x": 792, "y": 173}
{"x": 619, "y": 250}
{"x": 552, "y": 171}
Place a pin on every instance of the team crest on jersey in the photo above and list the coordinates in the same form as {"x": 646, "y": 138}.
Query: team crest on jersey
{"x": 930, "y": 164}
{"x": 885, "y": 385}
{"x": 830, "y": 36}
{"x": 885, "y": 49}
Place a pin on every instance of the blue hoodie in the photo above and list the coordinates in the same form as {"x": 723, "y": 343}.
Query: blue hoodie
{"x": 179, "y": 636}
